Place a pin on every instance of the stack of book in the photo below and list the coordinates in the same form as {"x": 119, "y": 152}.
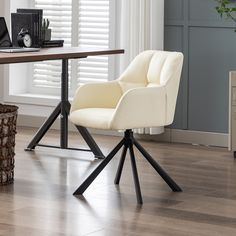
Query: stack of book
{"x": 30, "y": 19}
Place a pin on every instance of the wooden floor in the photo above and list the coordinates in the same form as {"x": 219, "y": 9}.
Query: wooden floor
{"x": 41, "y": 202}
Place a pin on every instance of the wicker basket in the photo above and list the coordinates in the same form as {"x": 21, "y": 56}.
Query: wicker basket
{"x": 8, "y": 117}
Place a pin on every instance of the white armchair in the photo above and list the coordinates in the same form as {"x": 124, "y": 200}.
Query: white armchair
{"x": 144, "y": 96}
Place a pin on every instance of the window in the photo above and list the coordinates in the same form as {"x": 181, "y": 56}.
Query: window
{"x": 85, "y": 23}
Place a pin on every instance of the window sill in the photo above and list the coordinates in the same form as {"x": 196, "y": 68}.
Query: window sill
{"x": 34, "y": 99}
{"x": 33, "y": 104}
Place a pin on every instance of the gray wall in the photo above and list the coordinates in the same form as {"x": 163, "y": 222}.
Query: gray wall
{"x": 209, "y": 46}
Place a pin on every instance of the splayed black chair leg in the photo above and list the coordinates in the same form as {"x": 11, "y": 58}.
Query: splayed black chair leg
{"x": 172, "y": 184}
{"x": 121, "y": 164}
{"x": 97, "y": 171}
{"x": 135, "y": 175}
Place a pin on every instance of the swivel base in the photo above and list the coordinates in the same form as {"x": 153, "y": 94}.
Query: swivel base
{"x": 127, "y": 143}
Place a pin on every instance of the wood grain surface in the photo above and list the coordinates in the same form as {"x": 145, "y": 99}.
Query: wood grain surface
{"x": 41, "y": 202}
{"x": 54, "y": 54}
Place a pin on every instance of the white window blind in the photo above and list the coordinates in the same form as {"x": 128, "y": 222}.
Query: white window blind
{"x": 84, "y": 23}
{"x": 93, "y": 32}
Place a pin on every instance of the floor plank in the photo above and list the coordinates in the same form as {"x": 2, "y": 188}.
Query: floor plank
{"x": 40, "y": 202}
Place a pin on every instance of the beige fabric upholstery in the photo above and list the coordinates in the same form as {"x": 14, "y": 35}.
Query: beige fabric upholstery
{"x": 144, "y": 96}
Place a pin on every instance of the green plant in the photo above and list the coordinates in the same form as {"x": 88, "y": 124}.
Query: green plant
{"x": 227, "y": 8}
{"x": 45, "y": 24}
{"x": 46, "y": 32}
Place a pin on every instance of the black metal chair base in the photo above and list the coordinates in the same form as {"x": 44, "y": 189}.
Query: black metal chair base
{"x": 127, "y": 143}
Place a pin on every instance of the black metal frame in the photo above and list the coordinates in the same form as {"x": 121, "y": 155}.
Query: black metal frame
{"x": 127, "y": 143}
{"x": 63, "y": 110}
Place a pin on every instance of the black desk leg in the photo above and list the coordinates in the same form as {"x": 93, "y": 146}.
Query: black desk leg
{"x": 63, "y": 109}
{"x": 44, "y": 128}
{"x": 90, "y": 142}
{"x": 64, "y": 100}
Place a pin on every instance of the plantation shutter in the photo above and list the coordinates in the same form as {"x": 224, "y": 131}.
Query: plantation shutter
{"x": 48, "y": 74}
{"x": 93, "y": 32}
{"x": 83, "y": 23}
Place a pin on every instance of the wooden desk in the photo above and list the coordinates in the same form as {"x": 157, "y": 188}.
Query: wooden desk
{"x": 63, "y": 108}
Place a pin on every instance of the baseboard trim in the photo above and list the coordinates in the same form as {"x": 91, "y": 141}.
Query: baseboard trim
{"x": 170, "y": 135}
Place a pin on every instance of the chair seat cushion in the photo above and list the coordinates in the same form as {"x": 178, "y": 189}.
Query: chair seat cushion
{"x": 97, "y": 118}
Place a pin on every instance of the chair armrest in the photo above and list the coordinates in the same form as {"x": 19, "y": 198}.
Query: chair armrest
{"x": 141, "y": 108}
{"x": 102, "y": 95}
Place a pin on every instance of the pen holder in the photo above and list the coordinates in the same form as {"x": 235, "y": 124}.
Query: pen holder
{"x": 46, "y": 34}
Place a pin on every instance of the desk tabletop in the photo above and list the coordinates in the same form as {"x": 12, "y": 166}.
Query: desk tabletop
{"x": 55, "y": 54}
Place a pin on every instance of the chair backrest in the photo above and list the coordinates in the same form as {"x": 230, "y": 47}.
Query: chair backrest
{"x": 155, "y": 68}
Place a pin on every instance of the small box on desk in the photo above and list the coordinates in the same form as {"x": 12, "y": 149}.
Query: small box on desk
{"x": 52, "y": 43}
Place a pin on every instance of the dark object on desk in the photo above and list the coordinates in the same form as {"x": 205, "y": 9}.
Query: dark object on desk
{"x": 39, "y": 12}
{"x": 8, "y": 117}
{"x": 5, "y": 41}
{"x": 24, "y": 39}
{"x": 46, "y": 34}
{"x": 46, "y": 31}
{"x": 27, "y": 21}
{"x": 52, "y": 43}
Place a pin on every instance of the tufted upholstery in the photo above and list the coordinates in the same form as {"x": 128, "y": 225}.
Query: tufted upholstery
{"x": 144, "y": 96}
